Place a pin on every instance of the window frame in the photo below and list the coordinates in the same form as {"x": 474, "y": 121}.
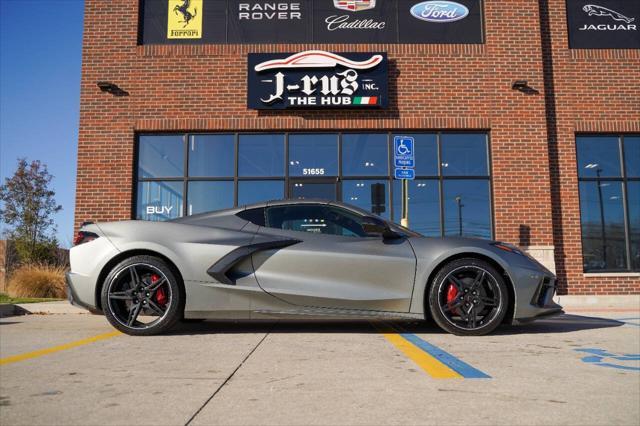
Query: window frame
{"x": 286, "y": 178}
{"x": 623, "y": 179}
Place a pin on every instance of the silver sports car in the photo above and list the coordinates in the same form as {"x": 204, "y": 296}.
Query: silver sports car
{"x": 300, "y": 258}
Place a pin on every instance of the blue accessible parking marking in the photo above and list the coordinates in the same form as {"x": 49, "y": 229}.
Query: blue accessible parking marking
{"x": 620, "y": 362}
{"x": 456, "y": 364}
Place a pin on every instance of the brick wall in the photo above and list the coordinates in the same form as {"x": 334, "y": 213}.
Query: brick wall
{"x": 203, "y": 88}
{"x": 593, "y": 91}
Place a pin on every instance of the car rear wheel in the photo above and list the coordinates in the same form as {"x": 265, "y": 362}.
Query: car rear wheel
{"x": 141, "y": 296}
{"x": 468, "y": 297}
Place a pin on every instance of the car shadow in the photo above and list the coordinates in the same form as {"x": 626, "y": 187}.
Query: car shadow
{"x": 560, "y": 324}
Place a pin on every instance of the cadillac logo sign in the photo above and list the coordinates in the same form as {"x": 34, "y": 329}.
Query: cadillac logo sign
{"x": 317, "y": 79}
{"x": 354, "y": 5}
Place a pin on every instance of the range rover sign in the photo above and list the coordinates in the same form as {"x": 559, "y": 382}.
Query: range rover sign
{"x": 317, "y": 79}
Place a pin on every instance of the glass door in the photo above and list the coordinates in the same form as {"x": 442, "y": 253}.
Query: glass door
{"x": 304, "y": 189}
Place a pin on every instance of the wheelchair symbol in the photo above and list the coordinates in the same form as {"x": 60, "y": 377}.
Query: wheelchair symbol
{"x": 402, "y": 149}
{"x": 603, "y": 358}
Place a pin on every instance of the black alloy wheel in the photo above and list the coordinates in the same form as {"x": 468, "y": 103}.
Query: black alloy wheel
{"x": 468, "y": 297}
{"x": 141, "y": 296}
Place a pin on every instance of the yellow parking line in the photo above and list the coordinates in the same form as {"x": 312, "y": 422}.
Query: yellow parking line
{"x": 46, "y": 351}
{"x": 429, "y": 364}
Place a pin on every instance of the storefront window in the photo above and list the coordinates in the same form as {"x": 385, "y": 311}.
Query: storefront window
{"x": 365, "y": 155}
{"x": 602, "y": 216}
{"x": 633, "y": 195}
{"x": 467, "y": 208}
{"x": 161, "y": 156}
{"x": 426, "y": 147}
{"x": 632, "y": 156}
{"x": 358, "y": 193}
{"x": 464, "y": 154}
{"x": 158, "y": 200}
{"x": 255, "y": 191}
{"x": 228, "y": 169}
{"x": 313, "y": 155}
{"x": 212, "y": 155}
{"x": 261, "y": 155}
{"x": 205, "y": 196}
{"x": 598, "y": 156}
{"x": 610, "y": 238}
{"x": 424, "y": 205}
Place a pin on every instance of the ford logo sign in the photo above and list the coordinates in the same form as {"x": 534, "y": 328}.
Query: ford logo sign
{"x": 439, "y": 11}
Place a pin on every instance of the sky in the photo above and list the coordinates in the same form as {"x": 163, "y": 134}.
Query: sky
{"x": 40, "y": 60}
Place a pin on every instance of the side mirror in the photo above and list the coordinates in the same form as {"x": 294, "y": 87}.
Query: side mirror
{"x": 375, "y": 227}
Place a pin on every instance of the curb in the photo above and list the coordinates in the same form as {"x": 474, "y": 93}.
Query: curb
{"x": 52, "y": 308}
{"x": 629, "y": 302}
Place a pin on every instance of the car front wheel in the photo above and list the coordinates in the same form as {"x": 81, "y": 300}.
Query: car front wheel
{"x": 141, "y": 296}
{"x": 468, "y": 297}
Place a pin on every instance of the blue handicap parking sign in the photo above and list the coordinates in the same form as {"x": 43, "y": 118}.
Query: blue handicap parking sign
{"x": 403, "y": 153}
{"x": 405, "y": 174}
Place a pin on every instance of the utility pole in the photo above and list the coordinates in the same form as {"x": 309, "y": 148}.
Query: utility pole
{"x": 603, "y": 234}
{"x": 460, "y": 206}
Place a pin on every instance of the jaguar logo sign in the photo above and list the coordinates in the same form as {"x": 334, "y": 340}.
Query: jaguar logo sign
{"x": 618, "y": 19}
{"x": 317, "y": 79}
{"x": 439, "y": 11}
{"x": 595, "y": 10}
{"x": 603, "y": 24}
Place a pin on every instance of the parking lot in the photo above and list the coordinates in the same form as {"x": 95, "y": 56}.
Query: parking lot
{"x": 580, "y": 368}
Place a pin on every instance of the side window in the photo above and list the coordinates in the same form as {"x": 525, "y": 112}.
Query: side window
{"x": 255, "y": 216}
{"x": 316, "y": 219}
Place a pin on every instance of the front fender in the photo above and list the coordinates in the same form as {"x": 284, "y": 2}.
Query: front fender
{"x": 433, "y": 253}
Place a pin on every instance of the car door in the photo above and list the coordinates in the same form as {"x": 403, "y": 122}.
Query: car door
{"x": 334, "y": 264}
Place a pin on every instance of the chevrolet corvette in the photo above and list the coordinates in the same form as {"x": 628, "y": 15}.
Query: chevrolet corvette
{"x": 300, "y": 259}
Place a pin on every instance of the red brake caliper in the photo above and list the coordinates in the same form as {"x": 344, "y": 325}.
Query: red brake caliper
{"x": 161, "y": 296}
{"x": 452, "y": 293}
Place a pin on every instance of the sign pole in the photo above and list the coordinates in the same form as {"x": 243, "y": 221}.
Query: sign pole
{"x": 405, "y": 203}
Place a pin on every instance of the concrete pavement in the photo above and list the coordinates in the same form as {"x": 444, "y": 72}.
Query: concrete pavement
{"x": 317, "y": 373}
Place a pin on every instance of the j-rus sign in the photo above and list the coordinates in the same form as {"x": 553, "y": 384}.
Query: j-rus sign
{"x": 317, "y": 79}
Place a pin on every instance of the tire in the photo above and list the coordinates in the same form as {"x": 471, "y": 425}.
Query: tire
{"x": 125, "y": 305}
{"x": 468, "y": 297}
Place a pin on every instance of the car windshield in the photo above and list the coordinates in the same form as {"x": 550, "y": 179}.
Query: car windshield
{"x": 393, "y": 226}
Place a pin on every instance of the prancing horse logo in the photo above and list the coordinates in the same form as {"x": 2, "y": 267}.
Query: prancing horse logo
{"x": 183, "y": 9}
{"x": 593, "y": 9}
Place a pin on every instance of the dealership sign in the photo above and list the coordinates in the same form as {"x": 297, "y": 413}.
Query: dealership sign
{"x": 604, "y": 24}
{"x": 439, "y": 11}
{"x": 310, "y": 21}
{"x": 317, "y": 79}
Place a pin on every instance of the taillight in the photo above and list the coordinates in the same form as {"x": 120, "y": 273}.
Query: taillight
{"x": 84, "y": 237}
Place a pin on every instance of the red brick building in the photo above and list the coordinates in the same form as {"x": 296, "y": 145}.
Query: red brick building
{"x": 519, "y": 136}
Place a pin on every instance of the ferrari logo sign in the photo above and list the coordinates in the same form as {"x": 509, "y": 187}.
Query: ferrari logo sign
{"x": 184, "y": 19}
{"x": 354, "y": 5}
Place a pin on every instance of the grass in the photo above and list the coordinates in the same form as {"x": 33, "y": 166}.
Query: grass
{"x": 5, "y": 298}
{"x": 33, "y": 281}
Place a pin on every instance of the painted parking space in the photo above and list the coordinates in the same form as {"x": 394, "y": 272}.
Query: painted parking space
{"x": 435, "y": 361}
{"x": 604, "y": 358}
{"x": 53, "y": 349}
{"x": 321, "y": 372}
